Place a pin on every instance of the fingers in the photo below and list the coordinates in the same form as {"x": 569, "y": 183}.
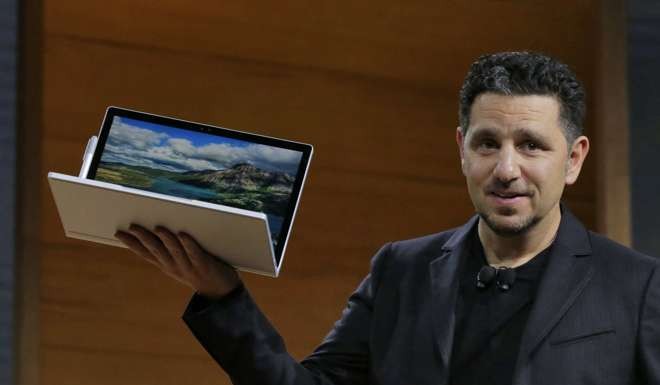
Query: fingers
{"x": 136, "y": 246}
{"x": 199, "y": 257}
{"x": 216, "y": 278}
{"x": 152, "y": 243}
{"x": 174, "y": 246}
{"x": 160, "y": 247}
{"x": 182, "y": 258}
{"x": 192, "y": 249}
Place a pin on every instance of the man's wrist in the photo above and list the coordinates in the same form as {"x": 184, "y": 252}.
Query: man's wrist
{"x": 201, "y": 302}
{"x": 216, "y": 295}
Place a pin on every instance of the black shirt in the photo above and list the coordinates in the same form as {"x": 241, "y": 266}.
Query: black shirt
{"x": 489, "y": 321}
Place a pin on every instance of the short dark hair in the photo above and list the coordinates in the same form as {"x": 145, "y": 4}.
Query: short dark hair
{"x": 525, "y": 73}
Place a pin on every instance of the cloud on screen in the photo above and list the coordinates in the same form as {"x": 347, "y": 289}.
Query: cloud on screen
{"x": 143, "y": 147}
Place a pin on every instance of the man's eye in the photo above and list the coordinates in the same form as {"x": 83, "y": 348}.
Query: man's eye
{"x": 488, "y": 144}
{"x": 531, "y": 146}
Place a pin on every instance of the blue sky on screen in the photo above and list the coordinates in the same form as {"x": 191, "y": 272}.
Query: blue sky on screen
{"x": 198, "y": 139}
{"x": 152, "y": 145}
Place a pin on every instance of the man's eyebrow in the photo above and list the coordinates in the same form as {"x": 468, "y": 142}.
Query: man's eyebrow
{"x": 529, "y": 134}
{"x": 480, "y": 133}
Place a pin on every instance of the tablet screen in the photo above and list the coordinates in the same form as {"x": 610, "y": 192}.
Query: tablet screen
{"x": 205, "y": 163}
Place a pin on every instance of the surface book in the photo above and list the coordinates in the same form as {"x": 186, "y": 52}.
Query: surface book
{"x": 157, "y": 158}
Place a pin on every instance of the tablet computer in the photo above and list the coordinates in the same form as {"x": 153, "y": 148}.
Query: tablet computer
{"x": 236, "y": 176}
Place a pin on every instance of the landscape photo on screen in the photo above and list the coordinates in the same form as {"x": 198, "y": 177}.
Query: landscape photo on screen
{"x": 200, "y": 166}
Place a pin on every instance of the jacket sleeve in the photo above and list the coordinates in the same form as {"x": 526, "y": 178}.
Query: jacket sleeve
{"x": 243, "y": 342}
{"x": 649, "y": 332}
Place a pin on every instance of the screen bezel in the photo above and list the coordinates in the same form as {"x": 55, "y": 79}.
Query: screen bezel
{"x": 305, "y": 149}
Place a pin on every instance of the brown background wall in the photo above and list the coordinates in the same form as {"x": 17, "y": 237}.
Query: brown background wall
{"x": 373, "y": 86}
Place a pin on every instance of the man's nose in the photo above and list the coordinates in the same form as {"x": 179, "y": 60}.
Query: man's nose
{"x": 507, "y": 168}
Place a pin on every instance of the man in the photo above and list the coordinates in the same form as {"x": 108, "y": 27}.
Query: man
{"x": 520, "y": 294}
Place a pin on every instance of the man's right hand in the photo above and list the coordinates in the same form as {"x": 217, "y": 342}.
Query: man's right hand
{"x": 182, "y": 258}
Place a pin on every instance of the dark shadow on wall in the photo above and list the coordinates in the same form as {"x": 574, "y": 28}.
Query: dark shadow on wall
{"x": 8, "y": 56}
{"x": 644, "y": 84}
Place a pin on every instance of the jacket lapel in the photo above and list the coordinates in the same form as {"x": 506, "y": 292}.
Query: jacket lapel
{"x": 444, "y": 272}
{"x": 567, "y": 273}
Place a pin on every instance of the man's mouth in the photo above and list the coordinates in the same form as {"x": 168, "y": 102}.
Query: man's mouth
{"x": 508, "y": 195}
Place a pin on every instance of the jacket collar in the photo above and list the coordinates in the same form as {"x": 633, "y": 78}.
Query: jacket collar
{"x": 444, "y": 271}
{"x": 566, "y": 275}
{"x": 459, "y": 237}
{"x": 568, "y": 272}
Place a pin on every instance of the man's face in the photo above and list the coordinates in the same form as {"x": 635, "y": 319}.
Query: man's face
{"x": 516, "y": 160}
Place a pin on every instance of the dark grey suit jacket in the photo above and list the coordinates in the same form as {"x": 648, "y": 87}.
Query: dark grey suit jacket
{"x": 596, "y": 320}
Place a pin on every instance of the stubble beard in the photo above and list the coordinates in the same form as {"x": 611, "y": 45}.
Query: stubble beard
{"x": 509, "y": 230}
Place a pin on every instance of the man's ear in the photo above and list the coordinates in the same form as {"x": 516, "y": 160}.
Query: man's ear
{"x": 576, "y": 156}
{"x": 459, "y": 142}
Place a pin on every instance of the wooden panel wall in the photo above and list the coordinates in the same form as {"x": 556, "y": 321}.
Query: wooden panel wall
{"x": 611, "y": 100}
{"x": 29, "y": 181}
{"x": 372, "y": 85}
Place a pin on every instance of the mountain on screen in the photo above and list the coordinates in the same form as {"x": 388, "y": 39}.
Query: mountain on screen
{"x": 243, "y": 185}
{"x": 240, "y": 177}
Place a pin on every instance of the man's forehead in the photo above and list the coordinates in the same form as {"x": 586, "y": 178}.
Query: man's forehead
{"x": 524, "y": 106}
{"x": 517, "y": 132}
{"x": 515, "y": 113}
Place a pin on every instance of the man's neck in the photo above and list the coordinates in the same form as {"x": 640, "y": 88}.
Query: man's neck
{"x": 517, "y": 250}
